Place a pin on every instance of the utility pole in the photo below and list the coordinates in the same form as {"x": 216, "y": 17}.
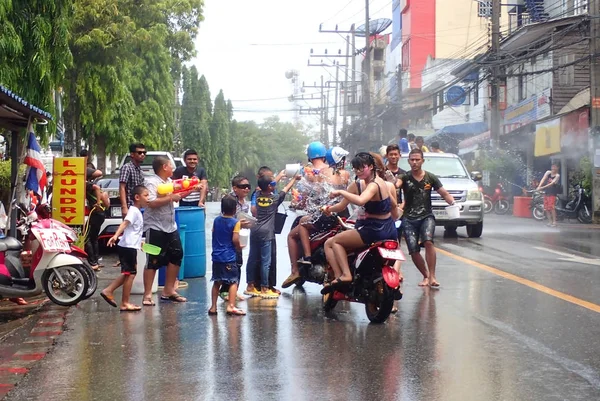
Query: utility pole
{"x": 367, "y": 92}
{"x": 345, "y": 99}
{"x": 323, "y": 123}
{"x": 494, "y": 80}
{"x": 594, "y": 10}
{"x": 335, "y": 105}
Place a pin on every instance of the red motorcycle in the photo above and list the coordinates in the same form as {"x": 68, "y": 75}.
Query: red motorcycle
{"x": 375, "y": 282}
{"x": 498, "y": 202}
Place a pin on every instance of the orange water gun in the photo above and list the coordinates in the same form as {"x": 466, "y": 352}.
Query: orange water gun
{"x": 177, "y": 186}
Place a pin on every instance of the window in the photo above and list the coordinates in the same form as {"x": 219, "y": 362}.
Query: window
{"x": 484, "y": 8}
{"x": 566, "y": 75}
{"x": 406, "y": 55}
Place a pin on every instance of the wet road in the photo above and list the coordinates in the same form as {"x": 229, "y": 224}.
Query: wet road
{"x": 507, "y": 324}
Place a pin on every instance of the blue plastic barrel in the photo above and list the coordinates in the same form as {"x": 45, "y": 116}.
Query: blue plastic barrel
{"x": 194, "y": 251}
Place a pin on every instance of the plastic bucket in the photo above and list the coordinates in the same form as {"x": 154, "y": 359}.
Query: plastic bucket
{"x": 138, "y": 281}
{"x": 244, "y": 236}
{"x": 151, "y": 249}
{"x": 292, "y": 169}
{"x": 453, "y": 211}
{"x": 280, "y": 222}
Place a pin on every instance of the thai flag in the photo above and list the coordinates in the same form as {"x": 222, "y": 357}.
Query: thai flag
{"x": 36, "y": 173}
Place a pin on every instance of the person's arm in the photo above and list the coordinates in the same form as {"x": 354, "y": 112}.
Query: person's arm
{"x": 554, "y": 181}
{"x": 123, "y": 177}
{"x": 539, "y": 187}
{"x": 203, "y": 187}
{"x": 100, "y": 198}
{"x": 361, "y": 199}
{"x": 446, "y": 195}
{"x": 290, "y": 184}
{"x": 236, "y": 237}
{"x": 253, "y": 209}
{"x": 280, "y": 176}
{"x": 392, "y": 194}
{"x": 343, "y": 204}
{"x": 120, "y": 230}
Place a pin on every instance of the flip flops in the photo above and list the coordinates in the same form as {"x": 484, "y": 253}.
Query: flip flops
{"x": 148, "y": 302}
{"x": 235, "y": 312}
{"x": 132, "y": 308}
{"x": 109, "y": 298}
{"x": 173, "y": 298}
{"x": 212, "y": 313}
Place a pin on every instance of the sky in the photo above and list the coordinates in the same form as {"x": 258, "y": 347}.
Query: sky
{"x": 245, "y": 48}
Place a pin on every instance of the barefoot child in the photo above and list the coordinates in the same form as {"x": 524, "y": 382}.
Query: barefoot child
{"x": 225, "y": 242}
{"x": 132, "y": 229}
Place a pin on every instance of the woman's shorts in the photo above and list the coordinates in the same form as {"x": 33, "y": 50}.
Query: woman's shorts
{"x": 549, "y": 202}
{"x": 226, "y": 272}
{"x": 375, "y": 230}
{"x": 416, "y": 232}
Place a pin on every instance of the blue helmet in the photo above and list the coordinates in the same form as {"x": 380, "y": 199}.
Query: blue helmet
{"x": 335, "y": 155}
{"x": 316, "y": 150}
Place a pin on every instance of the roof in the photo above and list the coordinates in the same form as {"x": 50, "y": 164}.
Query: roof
{"x": 458, "y": 131}
{"x": 531, "y": 33}
{"x": 16, "y": 111}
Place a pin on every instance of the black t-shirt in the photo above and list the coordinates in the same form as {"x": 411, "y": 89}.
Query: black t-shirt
{"x": 417, "y": 195}
{"x": 398, "y": 174}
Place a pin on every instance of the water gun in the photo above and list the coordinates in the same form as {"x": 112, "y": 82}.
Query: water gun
{"x": 177, "y": 186}
{"x": 309, "y": 170}
{"x": 296, "y": 197}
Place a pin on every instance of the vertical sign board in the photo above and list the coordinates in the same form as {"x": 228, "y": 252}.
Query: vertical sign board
{"x": 68, "y": 194}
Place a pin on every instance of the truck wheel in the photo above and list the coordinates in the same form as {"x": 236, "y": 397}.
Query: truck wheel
{"x": 475, "y": 230}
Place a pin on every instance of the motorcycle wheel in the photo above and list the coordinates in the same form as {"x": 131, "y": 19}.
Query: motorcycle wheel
{"x": 75, "y": 288}
{"x": 584, "y": 216}
{"x": 488, "y": 206}
{"x": 93, "y": 280}
{"x": 538, "y": 212}
{"x": 380, "y": 304}
{"x": 328, "y": 302}
{"x": 502, "y": 206}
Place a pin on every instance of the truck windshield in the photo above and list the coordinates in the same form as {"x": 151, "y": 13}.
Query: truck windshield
{"x": 443, "y": 167}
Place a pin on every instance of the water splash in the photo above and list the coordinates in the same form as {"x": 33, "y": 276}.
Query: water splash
{"x": 311, "y": 196}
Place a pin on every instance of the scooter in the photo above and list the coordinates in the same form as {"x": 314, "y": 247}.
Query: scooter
{"x": 577, "y": 208}
{"x": 498, "y": 202}
{"x": 537, "y": 205}
{"x": 375, "y": 283}
{"x": 42, "y": 264}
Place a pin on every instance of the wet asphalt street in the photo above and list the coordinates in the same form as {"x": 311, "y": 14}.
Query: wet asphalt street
{"x": 517, "y": 318}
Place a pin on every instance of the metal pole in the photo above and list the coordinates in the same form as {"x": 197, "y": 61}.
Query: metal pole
{"x": 353, "y": 65}
{"x": 335, "y": 105}
{"x": 326, "y": 141}
{"x": 494, "y": 96}
{"x": 595, "y": 107}
{"x": 367, "y": 71}
{"x": 345, "y": 100}
{"x": 322, "y": 110}
{"x": 14, "y": 171}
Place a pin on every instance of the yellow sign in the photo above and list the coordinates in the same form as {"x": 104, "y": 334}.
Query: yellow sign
{"x": 68, "y": 194}
{"x": 547, "y": 138}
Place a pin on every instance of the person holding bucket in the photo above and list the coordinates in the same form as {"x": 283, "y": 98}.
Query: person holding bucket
{"x": 418, "y": 222}
{"x": 132, "y": 228}
{"x": 262, "y": 235}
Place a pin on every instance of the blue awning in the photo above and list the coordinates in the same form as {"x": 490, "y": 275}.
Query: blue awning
{"x": 15, "y": 111}
{"x": 459, "y": 131}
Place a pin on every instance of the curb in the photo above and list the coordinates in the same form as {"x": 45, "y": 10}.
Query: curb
{"x": 38, "y": 343}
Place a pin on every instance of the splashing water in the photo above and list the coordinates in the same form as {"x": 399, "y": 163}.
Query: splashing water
{"x": 311, "y": 196}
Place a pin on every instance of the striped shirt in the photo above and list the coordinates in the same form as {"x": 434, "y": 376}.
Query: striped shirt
{"x": 183, "y": 171}
{"x": 132, "y": 176}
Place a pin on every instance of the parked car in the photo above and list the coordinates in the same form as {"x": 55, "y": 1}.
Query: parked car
{"x": 178, "y": 162}
{"x": 147, "y": 164}
{"x": 114, "y": 217}
{"x": 461, "y": 185}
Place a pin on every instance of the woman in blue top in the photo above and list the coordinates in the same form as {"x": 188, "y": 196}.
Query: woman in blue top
{"x": 372, "y": 193}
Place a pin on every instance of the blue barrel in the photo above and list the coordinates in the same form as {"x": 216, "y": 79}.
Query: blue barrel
{"x": 162, "y": 272}
{"x": 194, "y": 250}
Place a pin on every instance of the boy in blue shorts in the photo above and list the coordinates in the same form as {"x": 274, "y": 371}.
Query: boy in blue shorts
{"x": 225, "y": 242}
{"x": 132, "y": 228}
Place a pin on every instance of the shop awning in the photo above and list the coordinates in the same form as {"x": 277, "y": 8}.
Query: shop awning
{"x": 472, "y": 144}
{"x": 15, "y": 111}
{"x": 459, "y": 131}
{"x": 531, "y": 33}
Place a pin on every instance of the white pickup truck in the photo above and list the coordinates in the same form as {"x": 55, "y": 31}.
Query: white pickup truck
{"x": 147, "y": 163}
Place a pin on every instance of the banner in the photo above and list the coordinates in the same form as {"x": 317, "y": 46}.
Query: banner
{"x": 68, "y": 193}
{"x": 547, "y": 138}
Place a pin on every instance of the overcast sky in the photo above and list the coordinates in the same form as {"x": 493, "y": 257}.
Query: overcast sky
{"x": 245, "y": 47}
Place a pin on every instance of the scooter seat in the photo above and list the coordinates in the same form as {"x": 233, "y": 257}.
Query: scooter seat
{"x": 10, "y": 244}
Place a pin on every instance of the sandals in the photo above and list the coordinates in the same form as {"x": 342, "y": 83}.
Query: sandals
{"x": 235, "y": 312}
{"x": 109, "y": 298}
{"x": 173, "y": 298}
{"x": 148, "y": 302}
{"x": 132, "y": 308}
{"x": 212, "y": 313}
{"x": 335, "y": 284}
{"x": 291, "y": 280}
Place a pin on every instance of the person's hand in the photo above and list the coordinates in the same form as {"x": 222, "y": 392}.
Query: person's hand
{"x": 298, "y": 177}
{"x": 201, "y": 204}
{"x": 335, "y": 193}
{"x": 389, "y": 176}
{"x": 124, "y": 211}
{"x": 325, "y": 211}
{"x": 175, "y": 197}
{"x": 112, "y": 240}
{"x": 280, "y": 175}
{"x": 245, "y": 223}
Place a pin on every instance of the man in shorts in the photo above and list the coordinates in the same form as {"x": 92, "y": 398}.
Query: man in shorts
{"x": 161, "y": 230}
{"x": 418, "y": 222}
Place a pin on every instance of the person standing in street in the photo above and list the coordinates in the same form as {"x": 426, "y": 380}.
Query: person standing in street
{"x": 421, "y": 144}
{"x": 191, "y": 169}
{"x": 132, "y": 229}
{"x": 418, "y": 222}
{"x": 131, "y": 175}
{"x": 435, "y": 147}
{"x": 403, "y": 142}
{"x": 161, "y": 231}
{"x": 550, "y": 184}
{"x": 411, "y": 142}
{"x": 98, "y": 202}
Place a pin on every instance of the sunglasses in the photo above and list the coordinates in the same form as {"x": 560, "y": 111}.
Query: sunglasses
{"x": 273, "y": 183}
{"x": 243, "y": 186}
{"x": 141, "y": 152}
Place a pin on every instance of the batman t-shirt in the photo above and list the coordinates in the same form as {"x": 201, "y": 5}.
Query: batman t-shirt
{"x": 266, "y": 208}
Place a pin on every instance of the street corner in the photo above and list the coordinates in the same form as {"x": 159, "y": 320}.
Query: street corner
{"x": 28, "y": 341}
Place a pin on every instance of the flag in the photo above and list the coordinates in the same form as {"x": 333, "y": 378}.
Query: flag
{"x": 36, "y": 173}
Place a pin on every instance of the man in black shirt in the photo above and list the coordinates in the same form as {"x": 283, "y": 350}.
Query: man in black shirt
{"x": 191, "y": 169}
{"x": 418, "y": 223}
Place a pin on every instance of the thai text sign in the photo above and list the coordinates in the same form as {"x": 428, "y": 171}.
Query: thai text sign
{"x": 68, "y": 194}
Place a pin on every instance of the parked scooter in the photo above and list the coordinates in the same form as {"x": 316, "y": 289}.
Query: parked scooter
{"x": 42, "y": 264}
{"x": 579, "y": 207}
{"x": 537, "y": 205}
{"x": 498, "y": 202}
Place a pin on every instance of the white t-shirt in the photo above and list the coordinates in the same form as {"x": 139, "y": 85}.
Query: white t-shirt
{"x": 132, "y": 236}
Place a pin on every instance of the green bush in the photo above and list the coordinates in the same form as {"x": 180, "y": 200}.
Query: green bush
{"x": 5, "y": 180}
